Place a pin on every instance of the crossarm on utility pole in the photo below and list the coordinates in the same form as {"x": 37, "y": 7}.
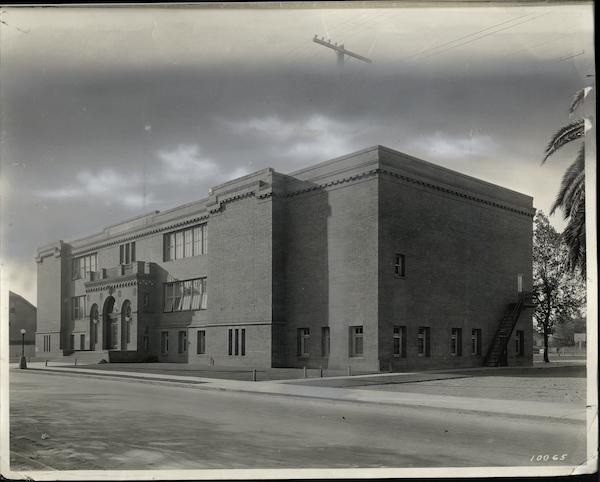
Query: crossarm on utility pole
{"x": 340, "y": 50}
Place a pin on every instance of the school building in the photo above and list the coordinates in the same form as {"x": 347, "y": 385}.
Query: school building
{"x": 373, "y": 260}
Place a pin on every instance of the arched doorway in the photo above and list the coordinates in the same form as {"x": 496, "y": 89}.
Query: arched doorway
{"x": 125, "y": 324}
{"x": 110, "y": 328}
{"x": 94, "y": 320}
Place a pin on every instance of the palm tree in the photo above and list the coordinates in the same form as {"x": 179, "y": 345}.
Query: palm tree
{"x": 571, "y": 196}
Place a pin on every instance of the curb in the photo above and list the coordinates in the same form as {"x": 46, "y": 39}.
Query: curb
{"x": 202, "y": 385}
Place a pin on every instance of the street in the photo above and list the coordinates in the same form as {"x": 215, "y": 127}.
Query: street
{"x": 113, "y": 424}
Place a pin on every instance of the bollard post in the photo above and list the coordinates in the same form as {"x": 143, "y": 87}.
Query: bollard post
{"x": 321, "y": 372}
{"x": 254, "y": 375}
{"x": 46, "y": 362}
{"x": 304, "y": 371}
{"x": 349, "y": 370}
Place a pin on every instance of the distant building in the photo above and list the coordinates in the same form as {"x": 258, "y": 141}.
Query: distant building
{"x": 21, "y": 315}
{"x": 372, "y": 260}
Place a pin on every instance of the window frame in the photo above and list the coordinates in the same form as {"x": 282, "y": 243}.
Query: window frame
{"x": 182, "y": 342}
{"x": 201, "y": 342}
{"x": 399, "y": 265}
{"x": 185, "y": 243}
{"x": 357, "y": 335}
{"x": 399, "y": 333}
{"x": 476, "y": 342}
{"x": 456, "y": 341}
{"x": 303, "y": 342}
{"x": 176, "y": 296}
{"x": 164, "y": 342}
{"x": 424, "y": 333}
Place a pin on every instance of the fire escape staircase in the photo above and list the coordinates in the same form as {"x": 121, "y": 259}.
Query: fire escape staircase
{"x": 496, "y": 355}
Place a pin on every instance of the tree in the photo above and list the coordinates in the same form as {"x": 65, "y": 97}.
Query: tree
{"x": 571, "y": 196}
{"x": 559, "y": 293}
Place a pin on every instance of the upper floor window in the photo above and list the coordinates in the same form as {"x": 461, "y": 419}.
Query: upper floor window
{"x": 84, "y": 264}
{"x": 186, "y": 243}
{"x": 127, "y": 253}
{"x": 399, "y": 265}
{"x": 77, "y": 307}
{"x": 185, "y": 295}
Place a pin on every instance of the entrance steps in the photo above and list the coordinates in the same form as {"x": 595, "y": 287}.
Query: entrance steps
{"x": 86, "y": 357}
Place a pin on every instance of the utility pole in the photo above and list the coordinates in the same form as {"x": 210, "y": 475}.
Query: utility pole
{"x": 340, "y": 51}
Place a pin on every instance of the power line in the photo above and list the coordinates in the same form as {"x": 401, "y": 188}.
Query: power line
{"x": 482, "y": 36}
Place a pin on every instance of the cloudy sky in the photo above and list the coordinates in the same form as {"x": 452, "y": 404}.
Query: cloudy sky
{"x": 110, "y": 113}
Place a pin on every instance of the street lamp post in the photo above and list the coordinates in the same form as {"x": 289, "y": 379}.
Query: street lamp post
{"x": 23, "y": 362}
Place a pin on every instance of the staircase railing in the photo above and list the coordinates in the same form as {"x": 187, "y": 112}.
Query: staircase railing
{"x": 507, "y": 324}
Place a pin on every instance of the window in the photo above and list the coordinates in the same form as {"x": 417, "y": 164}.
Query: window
{"x": 399, "y": 266}
{"x": 520, "y": 283}
{"x": 243, "y": 347}
{"x": 356, "y": 341}
{"x": 164, "y": 342}
{"x": 303, "y": 341}
{"x": 456, "y": 342}
{"x": 127, "y": 253}
{"x": 182, "y": 342}
{"x": 72, "y": 342}
{"x": 230, "y": 351}
{"x": 476, "y": 341}
{"x": 46, "y": 343}
{"x": 77, "y": 307}
{"x": 519, "y": 343}
{"x": 325, "y": 344}
{"x": 237, "y": 342}
{"x": 82, "y": 342}
{"x": 84, "y": 264}
{"x": 185, "y": 243}
{"x": 201, "y": 342}
{"x": 423, "y": 341}
{"x": 185, "y": 295}
{"x": 400, "y": 341}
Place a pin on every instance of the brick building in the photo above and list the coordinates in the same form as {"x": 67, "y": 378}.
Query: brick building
{"x": 21, "y": 316}
{"x": 372, "y": 260}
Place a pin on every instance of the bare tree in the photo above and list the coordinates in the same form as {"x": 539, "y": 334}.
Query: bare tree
{"x": 559, "y": 292}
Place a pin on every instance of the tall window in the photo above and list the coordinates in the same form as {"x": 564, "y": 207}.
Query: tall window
{"x": 475, "y": 341}
{"x": 520, "y": 342}
{"x": 72, "y": 342}
{"x": 185, "y": 295}
{"x": 423, "y": 341}
{"x": 185, "y": 243}
{"x": 164, "y": 342}
{"x": 201, "y": 342}
{"x": 243, "y": 344}
{"x": 127, "y": 253}
{"x": 77, "y": 307}
{"x": 400, "y": 341}
{"x": 46, "y": 342}
{"x": 182, "y": 342}
{"x": 399, "y": 265}
{"x": 303, "y": 341}
{"x": 82, "y": 342}
{"x": 456, "y": 342}
{"x": 356, "y": 341}
{"x": 237, "y": 342}
{"x": 230, "y": 350}
{"x": 325, "y": 341}
{"x": 84, "y": 264}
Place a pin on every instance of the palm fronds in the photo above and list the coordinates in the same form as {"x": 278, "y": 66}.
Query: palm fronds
{"x": 573, "y": 182}
{"x": 574, "y": 235}
{"x": 578, "y": 99}
{"x": 566, "y": 134}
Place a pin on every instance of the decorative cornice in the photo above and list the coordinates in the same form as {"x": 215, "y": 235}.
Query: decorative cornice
{"x": 335, "y": 182}
{"x": 132, "y": 280}
{"x": 456, "y": 193}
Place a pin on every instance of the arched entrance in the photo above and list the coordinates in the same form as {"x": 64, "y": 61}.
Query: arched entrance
{"x": 94, "y": 320}
{"x": 110, "y": 327}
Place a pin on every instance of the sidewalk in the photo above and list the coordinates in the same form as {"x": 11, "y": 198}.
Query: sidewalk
{"x": 513, "y": 408}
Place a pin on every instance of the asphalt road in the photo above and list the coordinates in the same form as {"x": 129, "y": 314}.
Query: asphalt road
{"x": 110, "y": 424}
